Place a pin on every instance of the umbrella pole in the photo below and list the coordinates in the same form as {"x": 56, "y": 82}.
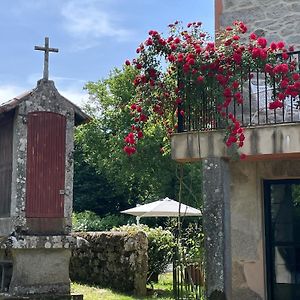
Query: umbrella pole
{"x": 179, "y": 248}
{"x": 138, "y": 220}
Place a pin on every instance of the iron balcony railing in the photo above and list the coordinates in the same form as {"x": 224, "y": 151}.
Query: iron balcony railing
{"x": 258, "y": 91}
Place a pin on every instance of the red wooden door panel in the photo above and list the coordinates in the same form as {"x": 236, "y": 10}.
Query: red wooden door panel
{"x": 45, "y": 180}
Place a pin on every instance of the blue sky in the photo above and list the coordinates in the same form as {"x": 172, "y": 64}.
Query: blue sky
{"x": 93, "y": 37}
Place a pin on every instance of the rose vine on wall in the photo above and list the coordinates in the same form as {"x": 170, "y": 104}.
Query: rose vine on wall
{"x": 186, "y": 63}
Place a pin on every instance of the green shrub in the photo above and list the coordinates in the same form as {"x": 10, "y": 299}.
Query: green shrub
{"x": 90, "y": 221}
{"x": 192, "y": 242}
{"x": 160, "y": 246}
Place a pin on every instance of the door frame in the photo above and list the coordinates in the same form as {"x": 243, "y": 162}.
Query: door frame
{"x": 269, "y": 271}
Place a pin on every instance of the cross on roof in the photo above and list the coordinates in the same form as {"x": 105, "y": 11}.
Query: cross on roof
{"x": 46, "y": 49}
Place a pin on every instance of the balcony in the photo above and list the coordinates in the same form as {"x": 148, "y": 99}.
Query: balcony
{"x": 268, "y": 132}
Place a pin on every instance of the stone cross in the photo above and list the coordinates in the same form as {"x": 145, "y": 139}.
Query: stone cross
{"x": 46, "y": 49}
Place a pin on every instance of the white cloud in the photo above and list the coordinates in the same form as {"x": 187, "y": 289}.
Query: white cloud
{"x": 8, "y": 92}
{"x": 91, "y": 20}
{"x": 33, "y": 78}
{"x": 72, "y": 92}
{"x": 72, "y": 89}
{"x": 77, "y": 97}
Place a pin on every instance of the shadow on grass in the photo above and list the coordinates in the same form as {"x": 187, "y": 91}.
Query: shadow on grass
{"x": 163, "y": 290}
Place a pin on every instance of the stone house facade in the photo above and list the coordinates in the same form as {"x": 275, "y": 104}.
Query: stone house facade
{"x": 251, "y": 209}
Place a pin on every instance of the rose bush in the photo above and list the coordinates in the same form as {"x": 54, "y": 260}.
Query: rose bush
{"x": 183, "y": 65}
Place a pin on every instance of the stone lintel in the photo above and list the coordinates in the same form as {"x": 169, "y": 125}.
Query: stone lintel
{"x": 281, "y": 141}
{"x": 216, "y": 226}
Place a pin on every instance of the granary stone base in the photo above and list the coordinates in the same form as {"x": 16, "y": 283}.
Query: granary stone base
{"x": 37, "y": 267}
{"x": 40, "y": 271}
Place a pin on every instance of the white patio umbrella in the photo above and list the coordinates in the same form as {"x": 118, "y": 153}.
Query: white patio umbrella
{"x": 162, "y": 208}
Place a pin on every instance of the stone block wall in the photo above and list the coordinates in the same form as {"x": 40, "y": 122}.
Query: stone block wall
{"x": 247, "y": 223}
{"x": 112, "y": 259}
{"x": 279, "y": 20}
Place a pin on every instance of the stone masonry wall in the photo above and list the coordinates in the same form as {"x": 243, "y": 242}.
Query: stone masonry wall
{"x": 247, "y": 230}
{"x": 113, "y": 259}
{"x": 280, "y": 19}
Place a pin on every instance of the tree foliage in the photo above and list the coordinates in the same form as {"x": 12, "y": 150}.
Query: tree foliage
{"x": 106, "y": 180}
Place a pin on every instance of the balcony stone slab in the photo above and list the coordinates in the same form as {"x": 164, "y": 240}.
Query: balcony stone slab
{"x": 281, "y": 141}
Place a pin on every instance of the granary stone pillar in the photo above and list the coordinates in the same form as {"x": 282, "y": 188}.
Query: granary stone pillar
{"x": 216, "y": 225}
{"x": 36, "y": 191}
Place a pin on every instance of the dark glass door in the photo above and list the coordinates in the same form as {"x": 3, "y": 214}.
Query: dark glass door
{"x": 282, "y": 219}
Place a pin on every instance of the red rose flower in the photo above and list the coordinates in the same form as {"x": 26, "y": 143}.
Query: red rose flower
{"x": 243, "y": 27}
{"x": 262, "y": 42}
{"x": 273, "y": 46}
{"x": 268, "y": 69}
{"x": 275, "y": 104}
{"x": 284, "y": 83}
{"x": 263, "y": 54}
{"x": 237, "y": 57}
{"x": 178, "y": 101}
{"x": 149, "y": 42}
{"x": 130, "y": 138}
{"x": 253, "y": 36}
{"x": 200, "y": 79}
{"x": 255, "y": 53}
{"x": 133, "y": 106}
{"x": 173, "y": 47}
{"x": 177, "y": 40}
{"x": 291, "y": 48}
{"x": 129, "y": 150}
{"x": 296, "y": 76}
{"x": 191, "y": 61}
{"x": 228, "y": 42}
{"x": 171, "y": 58}
{"x": 140, "y": 135}
{"x": 143, "y": 118}
{"x": 243, "y": 156}
{"x": 235, "y": 85}
{"x": 285, "y": 56}
{"x": 227, "y": 92}
{"x": 280, "y": 45}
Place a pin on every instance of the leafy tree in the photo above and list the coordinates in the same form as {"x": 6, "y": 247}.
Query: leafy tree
{"x": 92, "y": 189}
{"x": 106, "y": 179}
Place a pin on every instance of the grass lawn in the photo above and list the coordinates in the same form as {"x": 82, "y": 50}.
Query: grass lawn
{"x": 163, "y": 290}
